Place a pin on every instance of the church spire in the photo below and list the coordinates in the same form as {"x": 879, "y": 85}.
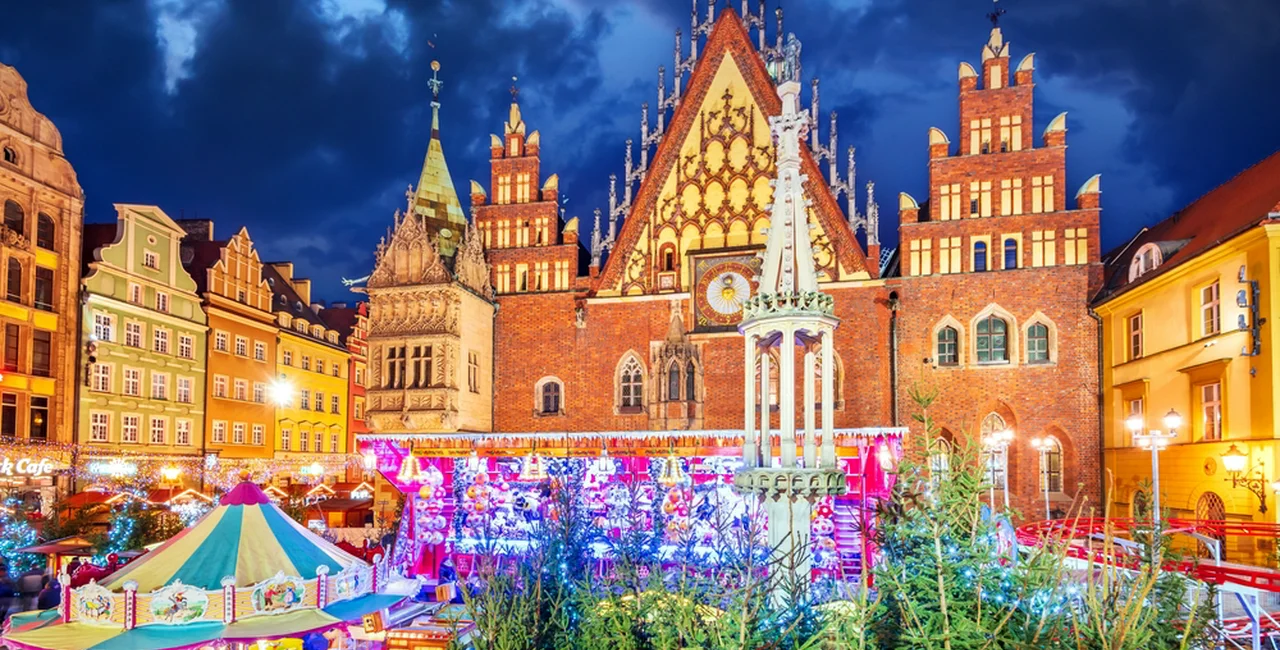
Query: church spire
{"x": 435, "y": 201}
{"x": 788, "y": 257}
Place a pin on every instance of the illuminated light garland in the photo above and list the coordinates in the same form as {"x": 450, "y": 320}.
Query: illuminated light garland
{"x": 843, "y": 436}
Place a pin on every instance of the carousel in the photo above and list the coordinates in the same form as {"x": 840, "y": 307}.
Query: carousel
{"x": 244, "y": 575}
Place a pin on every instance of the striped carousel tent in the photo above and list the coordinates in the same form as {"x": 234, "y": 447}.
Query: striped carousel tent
{"x": 246, "y": 537}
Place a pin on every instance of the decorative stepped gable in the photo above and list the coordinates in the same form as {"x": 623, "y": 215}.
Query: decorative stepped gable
{"x": 408, "y": 256}
{"x": 435, "y": 201}
{"x": 708, "y": 185}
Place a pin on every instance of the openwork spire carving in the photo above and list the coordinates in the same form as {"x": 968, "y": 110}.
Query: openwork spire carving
{"x": 471, "y": 267}
{"x": 408, "y": 256}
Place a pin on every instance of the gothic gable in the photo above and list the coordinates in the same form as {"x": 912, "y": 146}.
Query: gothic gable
{"x": 408, "y": 257}
{"x": 708, "y": 188}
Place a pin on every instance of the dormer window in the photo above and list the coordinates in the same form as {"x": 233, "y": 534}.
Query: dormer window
{"x": 1146, "y": 260}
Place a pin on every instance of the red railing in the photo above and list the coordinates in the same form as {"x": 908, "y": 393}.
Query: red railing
{"x": 1068, "y": 530}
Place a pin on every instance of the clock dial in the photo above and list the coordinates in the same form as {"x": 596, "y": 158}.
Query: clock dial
{"x": 721, "y": 292}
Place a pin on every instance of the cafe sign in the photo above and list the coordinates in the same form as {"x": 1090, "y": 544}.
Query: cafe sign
{"x": 28, "y": 467}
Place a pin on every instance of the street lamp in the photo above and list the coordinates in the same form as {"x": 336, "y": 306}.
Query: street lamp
{"x": 998, "y": 442}
{"x": 281, "y": 391}
{"x": 1235, "y": 461}
{"x": 1044, "y": 445}
{"x": 1156, "y": 441}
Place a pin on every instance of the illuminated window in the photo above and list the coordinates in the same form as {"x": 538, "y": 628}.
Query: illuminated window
{"x": 950, "y": 202}
{"x": 1211, "y": 410}
{"x": 182, "y": 432}
{"x": 1075, "y": 247}
{"x": 948, "y": 347}
{"x": 1210, "y": 310}
{"x": 1135, "y": 336}
{"x": 949, "y": 255}
{"x": 1041, "y": 194}
{"x": 992, "y": 342}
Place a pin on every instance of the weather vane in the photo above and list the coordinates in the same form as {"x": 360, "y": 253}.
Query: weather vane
{"x": 435, "y": 82}
{"x": 996, "y": 12}
{"x": 515, "y": 91}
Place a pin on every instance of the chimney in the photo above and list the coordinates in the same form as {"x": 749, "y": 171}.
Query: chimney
{"x": 197, "y": 229}
{"x": 285, "y": 269}
{"x": 303, "y": 288}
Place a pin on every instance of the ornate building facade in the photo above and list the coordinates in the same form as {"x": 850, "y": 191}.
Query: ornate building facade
{"x": 312, "y": 364}
{"x": 1185, "y": 311}
{"x": 240, "y": 416}
{"x": 40, "y": 256}
{"x": 430, "y": 336}
{"x": 987, "y": 299}
{"x": 144, "y": 337}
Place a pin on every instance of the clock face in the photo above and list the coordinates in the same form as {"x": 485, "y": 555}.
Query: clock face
{"x": 722, "y": 290}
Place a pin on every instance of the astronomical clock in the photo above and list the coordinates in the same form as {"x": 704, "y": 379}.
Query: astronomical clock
{"x": 721, "y": 286}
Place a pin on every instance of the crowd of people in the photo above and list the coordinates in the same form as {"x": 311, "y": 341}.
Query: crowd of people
{"x": 34, "y": 589}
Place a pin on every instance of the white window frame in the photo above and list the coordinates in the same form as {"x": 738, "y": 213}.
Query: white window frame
{"x": 221, "y": 341}
{"x": 160, "y": 340}
{"x": 133, "y": 333}
{"x": 104, "y": 326}
{"x": 1133, "y": 331}
{"x": 101, "y": 377}
{"x": 259, "y": 351}
{"x": 286, "y": 440}
{"x": 163, "y": 430}
{"x": 240, "y": 390}
{"x": 125, "y": 428}
{"x": 220, "y": 386}
{"x": 99, "y": 426}
{"x": 1211, "y": 410}
{"x": 151, "y": 260}
{"x": 219, "y": 432}
{"x": 259, "y": 432}
{"x": 259, "y": 392}
{"x": 238, "y": 430}
{"x": 159, "y": 385}
{"x": 186, "y": 346}
{"x": 182, "y": 431}
{"x": 162, "y": 302}
{"x": 132, "y": 376}
{"x": 1210, "y": 309}
{"x": 242, "y": 346}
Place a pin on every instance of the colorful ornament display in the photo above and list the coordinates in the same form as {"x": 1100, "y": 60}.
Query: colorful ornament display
{"x": 823, "y": 535}
{"x": 432, "y": 527}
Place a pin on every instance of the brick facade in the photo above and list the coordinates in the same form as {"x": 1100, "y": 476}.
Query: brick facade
{"x": 566, "y": 345}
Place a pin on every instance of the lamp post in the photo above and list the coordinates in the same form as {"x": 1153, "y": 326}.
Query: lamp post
{"x": 1156, "y": 441}
{"x": 998, "y": 442}
{"x": 1234, "y": 461}
{"x": 1043, "y": 445}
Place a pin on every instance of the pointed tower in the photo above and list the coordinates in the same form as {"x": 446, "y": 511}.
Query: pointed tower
{"x": 531, "y": 248}
{"x": 435, "y": 201}
{"x": 997, "y": 268}
{"x": 788, "y": 313}
{"x": 430, "y": 334}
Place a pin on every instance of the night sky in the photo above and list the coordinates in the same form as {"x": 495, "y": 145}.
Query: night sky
{"x": 305, "y": 119}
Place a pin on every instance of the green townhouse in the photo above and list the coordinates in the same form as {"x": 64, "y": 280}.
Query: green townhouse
{"x": 142, "y": 381}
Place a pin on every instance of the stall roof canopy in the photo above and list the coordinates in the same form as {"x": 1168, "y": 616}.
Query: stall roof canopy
{"x": 74, "y": 545}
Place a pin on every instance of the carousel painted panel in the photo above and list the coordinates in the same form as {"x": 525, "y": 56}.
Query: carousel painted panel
{"x": 96, "y": 605}
{"x": 175, "y": 604}
{"x": 280, "y": 594}
{"x": 351, "y": 582}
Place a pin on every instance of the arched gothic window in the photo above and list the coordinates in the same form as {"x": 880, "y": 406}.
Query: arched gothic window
{"x": 690, "y": 382}
{"x": 631, "y": 384}
{"x": 994, "y": 458}
{"x": 550, "y": 398}
{"x": 993, "y": 340}
{"x": 14, "y": 218}
{"x": 948, "y": 347}
{"x": 940, "y": 457}
{"x": 1038, "y": 343}
{"x": 673, "y": 382}
{"x": 1051, "y": 469}
{"x": 1210, "y": 507}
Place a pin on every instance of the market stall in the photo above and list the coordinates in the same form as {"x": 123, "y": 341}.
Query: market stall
{"x": 470, "y": 494}
{"x": 244, "y": 572}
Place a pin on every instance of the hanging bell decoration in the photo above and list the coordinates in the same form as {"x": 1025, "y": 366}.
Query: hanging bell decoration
{"x": 672, "y": 474}
{"x": 409, "y": 469}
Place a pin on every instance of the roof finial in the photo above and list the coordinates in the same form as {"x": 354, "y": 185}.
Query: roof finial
{"x": 435, "y": 82}
{"x": 515, "y": 90}
{"x": 996, "y": 12}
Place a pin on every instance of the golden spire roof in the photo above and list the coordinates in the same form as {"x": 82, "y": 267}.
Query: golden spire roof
{"x": 435, "y": 200}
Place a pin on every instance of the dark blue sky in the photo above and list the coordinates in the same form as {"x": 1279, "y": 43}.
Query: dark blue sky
{"x": 306, "y": 119}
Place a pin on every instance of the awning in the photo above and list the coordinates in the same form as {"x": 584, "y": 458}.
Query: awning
{"x": 74, "y": 545}
{"x": 343, "y": 505}
{"x": 44, "y": 632}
